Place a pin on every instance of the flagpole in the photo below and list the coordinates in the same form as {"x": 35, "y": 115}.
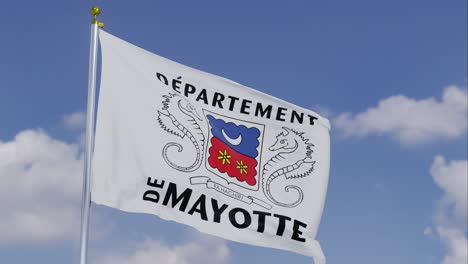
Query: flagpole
{"x": 89, "y": 141}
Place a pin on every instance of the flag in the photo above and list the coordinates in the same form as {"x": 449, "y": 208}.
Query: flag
{"x": 204, "y": 151}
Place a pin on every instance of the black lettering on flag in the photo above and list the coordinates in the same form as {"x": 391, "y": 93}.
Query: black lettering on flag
{"x": 296, "y": 232}
{"x": 238, "y": 217}
{"x": 202, "y": 96}
{"x": 217, "y": 99}
{"x": 189, "y": 89}
{"x": 171, "y": 194}
{"x": 280, "y": 113}
{"x": 233, "y": 219}
{"x": 263, "y": 112}
{"x": 261, "y": 220}
{"x": 162, "y": 78}
{"x": 312, "y": 119}
{"x": 245, "y": 106}
{"x": 296, "y": 115}
{"x": 201, "y": 202}
{"x": 233, "y": 102}
{"x": 281, "y": 223}
{"x": 176, "y": 83}
{"x": 155, "y": 183}
{"x": 217, "y": 210}
{"x": 152, "y": 195}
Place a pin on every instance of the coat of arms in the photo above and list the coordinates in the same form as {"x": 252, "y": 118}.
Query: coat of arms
{"x": 233, "y": 151}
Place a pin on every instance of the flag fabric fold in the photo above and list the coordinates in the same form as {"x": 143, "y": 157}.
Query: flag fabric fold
{"x": 204, "y": 151}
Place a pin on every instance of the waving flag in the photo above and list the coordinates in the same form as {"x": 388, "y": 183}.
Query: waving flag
{"x": 207, "y": 152}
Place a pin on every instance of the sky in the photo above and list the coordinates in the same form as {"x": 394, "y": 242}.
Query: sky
{"x": 390, "y": 75}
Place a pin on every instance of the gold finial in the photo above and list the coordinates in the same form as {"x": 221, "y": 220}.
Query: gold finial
{"x": 95, "y": 11}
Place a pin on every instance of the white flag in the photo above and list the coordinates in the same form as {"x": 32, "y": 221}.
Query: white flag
{"x": 207, "y": 152}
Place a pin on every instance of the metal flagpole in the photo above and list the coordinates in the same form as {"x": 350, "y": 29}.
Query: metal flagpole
{"x": 86, "y": 199}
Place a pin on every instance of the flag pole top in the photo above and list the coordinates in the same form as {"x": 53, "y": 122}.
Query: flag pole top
{"x": 95, "y": 12}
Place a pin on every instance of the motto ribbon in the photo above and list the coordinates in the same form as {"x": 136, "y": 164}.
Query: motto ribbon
{"x": 227, "y": 191}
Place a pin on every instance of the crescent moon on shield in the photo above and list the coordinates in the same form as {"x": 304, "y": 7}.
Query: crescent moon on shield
{"x": 232, "y": 141}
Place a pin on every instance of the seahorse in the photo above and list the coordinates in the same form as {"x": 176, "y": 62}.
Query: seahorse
{"x": 179, "y": 117}
{"x": 288, "y": 142}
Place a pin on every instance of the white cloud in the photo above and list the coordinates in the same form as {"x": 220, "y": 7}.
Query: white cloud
{"x": 450, "y": 217}
{"x": 457, "y": 245}
{"x": 208, "y": 251}
{"x": 40, "y": 194}
{"x": 411, "y": 120}
{"x": 452, "y": 178}
{"x": 428, "y": 231}
{"x": 40, "y": 188}
{"x": 76, "y": 120}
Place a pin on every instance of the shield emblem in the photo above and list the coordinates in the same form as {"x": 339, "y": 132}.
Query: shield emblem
{"x": 234, "y": 150}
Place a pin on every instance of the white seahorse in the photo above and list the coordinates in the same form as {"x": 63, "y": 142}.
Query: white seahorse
{"x": 288, "y": 142}
{"x": 179, "y": 118}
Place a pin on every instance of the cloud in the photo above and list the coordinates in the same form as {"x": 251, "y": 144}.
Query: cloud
{"x": 450, "y": 216}
{"x": 76, "y": 120}
{"x": 428, "y": 231}
{"x": 452, "y": 178}
{"x": 40, "y": 194}
{"x": 40, "y": 188}
{"x": 457, "y": 245}
{"x": 207, "y": 251}
{"x": 410, "y": 120}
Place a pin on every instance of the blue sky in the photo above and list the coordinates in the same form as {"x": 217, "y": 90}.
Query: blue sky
{"x": 390, "y": 75}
